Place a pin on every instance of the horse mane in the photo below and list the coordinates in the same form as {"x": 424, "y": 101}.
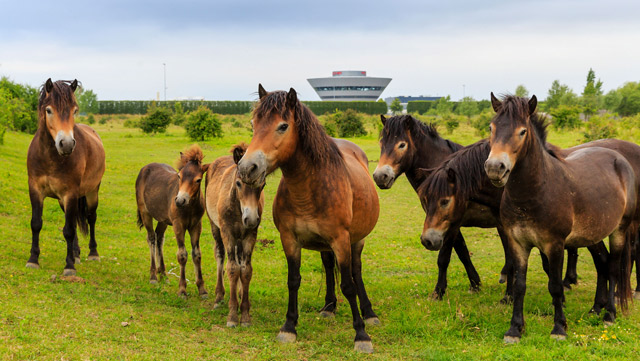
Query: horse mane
{"x": 468, "y": 165}
{"x": 191, "y": 155}
{"x": 515, "y": 107}
{"x": 399, "y": 124}
{"x": 313, "y": 140}
{"x": 61, "y": 96}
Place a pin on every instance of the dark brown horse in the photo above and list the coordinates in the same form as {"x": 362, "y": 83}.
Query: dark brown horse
{"x": 65, "y": 161}
{"x": 173, "y": 199}
{"x": 406, "y": 145}
{"x": 326, "y": 200}
{"x": 550, "y": 202}
{"x": 234, "y": 209}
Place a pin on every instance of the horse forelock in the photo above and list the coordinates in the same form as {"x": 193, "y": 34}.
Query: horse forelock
{"x": 62, "y": 98}
{"x": 192, "y": 155}
{"x": 397, "y": 126}
{"x": 516, "y": 109}
{"x": 314, "y": 142}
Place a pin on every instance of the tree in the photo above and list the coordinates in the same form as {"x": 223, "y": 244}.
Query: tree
{"x": 565, "y": 116}
{"x": 87, "y": 101}
{"x": 178, "y": 114}
{"x": 203, "y": 124}
{"x": 347, "y": 123}
{"x": 560, "y": 94}
{"x": 396, "y": 106}
{"x": 443, "y": 106}
{"x": 521, "y": 91}
{"x": 156, "y": 121}
{"x": 592, "y": 94}
{"x": 467, "y": 107}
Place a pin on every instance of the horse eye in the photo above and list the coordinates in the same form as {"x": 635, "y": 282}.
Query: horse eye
{"x": 49, "y": 111}
{"x": 282, "y": 127}
{"x": 444, "y": 202}
{"x": 402, "y": 145}
{"x": 490, "y": 128}
{"x": 523, "y": 132}
{"x": 199, "y": 180}
{"x": 238, "y": 184}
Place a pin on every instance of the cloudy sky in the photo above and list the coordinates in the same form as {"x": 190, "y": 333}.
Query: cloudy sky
{"x": 222, "y": 49}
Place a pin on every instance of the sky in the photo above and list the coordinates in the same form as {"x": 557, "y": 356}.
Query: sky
{"x": 221, "y": 50}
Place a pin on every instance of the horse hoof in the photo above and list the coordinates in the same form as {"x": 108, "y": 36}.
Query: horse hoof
{"x": 327, "y": 314}
{"x": 78, "y": 260}
{"x": 286, "y": 337}
{"x": 567, "y": 288}
{"x": 506, "y": 300}
{"x": 363, "y": 346}
{"x": 153, "y": 282}
{"x": 608, "y": 323}
{"x": 204, "y": 296}
{"x": 245, "y": 324}
{"x": 636, "y": 294}
{"x": 372, "y": 321}
{"x": 511, "y": 339}
{"x": 503, "y": 278}
{"x": 182, "y": 295}
{"x": 435, "y": 296}
{"x": 474, "y": 290}
{"x": 558, "y": 337}
{"x": 93, "y": 258}
{"x": 69, "y": 272}
{"x": 33, "y": 265}
{"x": 232, "y": 324}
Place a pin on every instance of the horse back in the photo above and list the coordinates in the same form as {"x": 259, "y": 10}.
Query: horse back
{"x": 218, "y": 182}
{"x": 156, "y": 187}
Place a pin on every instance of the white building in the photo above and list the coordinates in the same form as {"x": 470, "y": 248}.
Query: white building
{"x": 346, "y": 85}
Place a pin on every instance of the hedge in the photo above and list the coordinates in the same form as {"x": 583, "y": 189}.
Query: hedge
{"x": 233, "y": 107}
{"x": 420, "y": 106}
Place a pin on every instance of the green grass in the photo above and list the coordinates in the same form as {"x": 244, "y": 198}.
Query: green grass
{"x": 41, "y": 319}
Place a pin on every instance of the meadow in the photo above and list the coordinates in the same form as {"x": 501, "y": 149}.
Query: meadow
{"x": 112, "y": 312}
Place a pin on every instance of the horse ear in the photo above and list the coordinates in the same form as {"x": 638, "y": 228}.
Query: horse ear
{"x": 533, "y": 103}
{"x": 292, "y": 98}
{"x": 423, "y": 173}
{"x": 205, "y": 167}
{"x": 383, "y": 119}
{"x": 261, "y": 91}
{"x": 495, "y": 103}
{"x": 238, "y": 151}
{"x": 74, "y": 85}
{"x": 48, "y": 86}
{"x": 451, "y": 176}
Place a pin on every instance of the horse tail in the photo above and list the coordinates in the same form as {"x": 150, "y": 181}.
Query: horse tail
{"x": 624, "y": 292}
{"x": 83, "y": 212}
{"x": 140, "y": 224}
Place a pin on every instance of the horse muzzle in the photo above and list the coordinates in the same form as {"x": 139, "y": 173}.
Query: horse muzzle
{"x": 250, "y": 218}
{"x": 498, "y": 169}
{"x": 384, "y": 177}
{"x": 65, "y": 143}
{"x": 253, "y": 169}
{"x": 182, "y": 199}
{"x": 432, "y": 239}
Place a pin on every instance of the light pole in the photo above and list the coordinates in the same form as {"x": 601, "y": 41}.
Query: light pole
{"x": 164, "y": 65}
{"x": 463, "y": 91}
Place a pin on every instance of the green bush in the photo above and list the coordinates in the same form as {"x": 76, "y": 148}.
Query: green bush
{"x": 131, "y": 123}
{"x": 91, "y": 119}
{"x": 19, "y": 104}
{"x": 348, "y": 123}
{"x": 566, "y": 117}
{"x": 481, "y": 123}
{"x": 419, "y": 106}
{"x": 600, "y": 127}
{"x": 178, "y": 114}
{"x": 202, "y": 124}
{"x": 451, "y": 122}
{"x": 156, "y": 121}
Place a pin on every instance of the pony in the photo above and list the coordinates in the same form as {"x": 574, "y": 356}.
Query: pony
{"x": 234, "y": 209}
{"x": 65, "y": 161}
{"x": 173, "y": 199}
{"x": 326, "y": 201}
{"x": 549, "y": 202}
{"x": 406, "y": 145}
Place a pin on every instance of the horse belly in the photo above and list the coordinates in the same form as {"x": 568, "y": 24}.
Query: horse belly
{"x": 478, "y": 215}
{"x": 365, "y": 205}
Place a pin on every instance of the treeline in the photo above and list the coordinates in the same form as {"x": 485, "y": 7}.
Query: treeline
{"x": 232, "y": 107}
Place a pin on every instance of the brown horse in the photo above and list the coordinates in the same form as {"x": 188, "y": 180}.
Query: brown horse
{"x": 65, "y": 161}
{"x": 326, "y": 200}
{"x": 234, "y": 209}
{"x": 550, "y": 202}
{"x": 173, "y": 199}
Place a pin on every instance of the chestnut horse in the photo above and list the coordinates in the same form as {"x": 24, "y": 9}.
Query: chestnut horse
{"x": 326, "y": 200}
{"x": 65, "y": 161}
{"x": 406, "y": 145}
{"x": 234, "y": 209}
{"x": 550, "y": 202}
{"x": 173, "y": 199}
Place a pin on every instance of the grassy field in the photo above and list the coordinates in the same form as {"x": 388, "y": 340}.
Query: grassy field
{"x": 114, "y": 313}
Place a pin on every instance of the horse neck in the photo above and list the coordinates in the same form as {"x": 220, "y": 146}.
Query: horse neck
{"x": 429, "y": 153}
{"x": 300, "y": 171}
{"x": 528, "y": 178}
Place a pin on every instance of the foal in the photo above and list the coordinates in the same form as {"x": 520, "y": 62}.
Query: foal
{"x": 234, "y": 209}
{"x": 173, "y": 199}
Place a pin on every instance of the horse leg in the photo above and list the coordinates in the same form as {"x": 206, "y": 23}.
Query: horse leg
{"x": 555, "y": 254}
{"x": 616, "y": 276}
{"x": 460, "y": 246}
{"x": 292, "y": 252}
{"x": 92, "y": 216}
{"x": 330, "y": 300}
{"x": 342, "y": 251}
{"x": 69, "y": 233}
{"x": 76, "y": 244}
{"x": 182, "y": 256}
{"x": 600, "y": 254}
{"x": 508, "y": 262}
{"x": 520, "y": 262}
{"x": 219, "y": 251}
{"x": 147, "y": 221}
{"x": 571, "y": 276}
{"x": 444, "y": 257}
{"x": 161, "y": 227}
{"x": 233, "y": 271}
{"x": 636, "y": 254}
{"x": 196, "y": 256}
{"x": 370, "y": 317}
{"x": 246, "y": 272}
{"x": 36, "y": 226}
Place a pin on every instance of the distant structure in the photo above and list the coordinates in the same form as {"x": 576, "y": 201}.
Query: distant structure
{"x": 404, "y": 100}
{"x": 346, "y": 85}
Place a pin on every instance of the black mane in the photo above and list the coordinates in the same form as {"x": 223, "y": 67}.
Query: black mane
{"x": 396, "y": 126}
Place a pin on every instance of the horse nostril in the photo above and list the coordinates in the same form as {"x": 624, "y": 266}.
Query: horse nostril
{"x": 74, "y": 142}
{"x": 502, "y": 167}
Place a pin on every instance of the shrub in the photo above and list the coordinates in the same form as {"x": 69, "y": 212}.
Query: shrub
{"x": 91, "y": 119}
{"x": 131, "y": 123}
{"x": 178, "y": 114}
{"x": 565, "y": 116}
{"x": 451, "y": 122}
{"x": 600, "y": 127}
{"x": 481, "y": 123}
{"x": 156, "y": 121}
{"x": 202, "y": 124}
{"x": 348, "y": 123}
